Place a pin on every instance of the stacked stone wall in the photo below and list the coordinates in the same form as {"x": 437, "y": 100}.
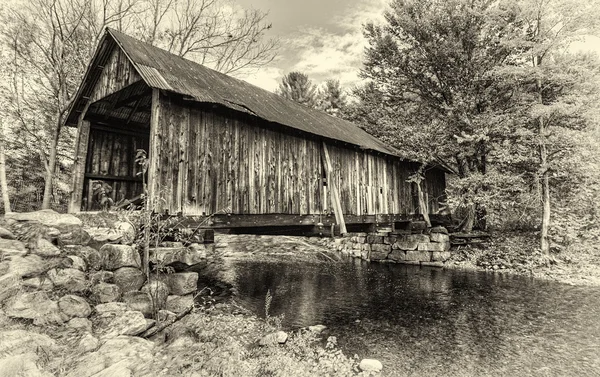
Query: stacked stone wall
{"x": 418, "y": 246}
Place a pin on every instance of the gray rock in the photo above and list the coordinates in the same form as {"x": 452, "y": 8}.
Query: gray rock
{"x": 110, "y": 307}
{"x": 129, "y": 322}
{"x": 42, "y": 283}
{"x": 370, "y": 365}
{"x": 182, "y": 283}
{"x": 75, "y": 236}
{"x": 117, "y": 256}
{"x": 15, "y": 342}
{"x": 397, "y": 255}
{"x": 165, "y": 315}
{"x": 178, "y": 304}
{"x": 74, "y": 306}
{"x": 78, "y": 262}
{"x": 418, "y": 256}
{"x": 71, "y": 279}
{"x": 158, "y": 292}
{"x": 317, "y": 328}
{"x": 433, "y": 246}
{"x": 105, "y": 292}
{"x": 129, "y": 279}
{"x": 440, "y": 256}
{"x": 405, "y": 245}
{"x": 416, "y": 238}
{"x": 92, "y": 257}
{"x": 438, "y": 229}
{"x": 33, "y": 265}
{"x": 140, "y": 301}
{"x": 23, "y": 365}
{"x": 46, "y": 217}
{"x": 279, "y": 337}
{"x": 101, "y": 235}
{"x": 81, "y": 324}
{"x": 34, "y": 305}
{"x": 127, "y": 232}
{"x": 45, "y": 248}
{"x": 88, "y": 343}
{"x": 166, "y": 255}
{"x": 115, "y": 358}
{"x": 6, "y": 234}
{"x": 11, "y": 248}
{"x": 380, "y": 251}
{"x": 10, "y": 285}
{"x": 101, "y": 277}
{"x": 439, "y": 237}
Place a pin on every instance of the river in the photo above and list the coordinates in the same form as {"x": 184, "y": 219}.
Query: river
{"x": 429, "y": 321}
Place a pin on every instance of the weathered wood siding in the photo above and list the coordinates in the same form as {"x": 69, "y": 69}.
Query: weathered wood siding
{"x": 210, "y": 160}
{"x": 111, "y": 159}
{"x": 117, "y": 73}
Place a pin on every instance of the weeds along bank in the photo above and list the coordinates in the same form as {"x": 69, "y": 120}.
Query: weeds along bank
{"x": 74, "y": 301}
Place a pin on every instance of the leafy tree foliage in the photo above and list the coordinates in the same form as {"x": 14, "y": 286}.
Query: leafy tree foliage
{"x": 489, "y": 89}
{"x": 297, "y": 87}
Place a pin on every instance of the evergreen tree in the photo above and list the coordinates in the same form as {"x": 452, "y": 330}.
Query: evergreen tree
{"x": 331, "y": 98}
{"x": 297, "y": 87}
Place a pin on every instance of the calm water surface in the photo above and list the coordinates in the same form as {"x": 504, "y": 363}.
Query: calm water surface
{"x": 432, "y": 322}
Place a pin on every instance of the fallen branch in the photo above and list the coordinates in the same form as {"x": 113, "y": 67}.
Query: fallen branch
{"x": 155, "y": 330}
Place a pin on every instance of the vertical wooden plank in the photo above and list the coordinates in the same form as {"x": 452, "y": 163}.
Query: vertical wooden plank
{"x": 79, "y": 165}
{"x": 337, "y": 208}
{"x": 154, "y": 155}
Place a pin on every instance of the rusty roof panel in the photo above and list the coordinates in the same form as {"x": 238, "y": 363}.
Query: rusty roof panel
{"x": 163, "y": 70}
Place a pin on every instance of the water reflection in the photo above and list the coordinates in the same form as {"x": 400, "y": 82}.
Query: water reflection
{"x": 422, "y": 321}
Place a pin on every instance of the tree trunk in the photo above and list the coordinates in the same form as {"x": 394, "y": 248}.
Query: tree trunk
{"x": 51, "y": 168}
{"x": 545, "y": 180}
{"x": 3, "y": 183}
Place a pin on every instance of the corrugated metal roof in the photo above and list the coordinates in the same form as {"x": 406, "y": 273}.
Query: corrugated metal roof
{"x": 163, "y": 70}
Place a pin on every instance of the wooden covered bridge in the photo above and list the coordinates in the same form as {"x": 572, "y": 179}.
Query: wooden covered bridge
{"x": 222, "y": 147}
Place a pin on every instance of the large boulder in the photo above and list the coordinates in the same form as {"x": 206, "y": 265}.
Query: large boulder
{"x": 74, "y": 306}
{"x": 102, "y": 277}
{"x": 34, "y": 305}
{"x": 105, "y": 292}
{"x": 29, "y": 265}
{"x": 12, "y": 248}
{"x": 88, "y": 343}
{"x": 117, "y": 256}
{"x": 10, "y": 285}
{"x": 46, "y": 217}
{"x": 140, "y": 301}
{"x": 181, "y": 283}
{"x": 70, "y": 279}
{"x": 129, "y": 279}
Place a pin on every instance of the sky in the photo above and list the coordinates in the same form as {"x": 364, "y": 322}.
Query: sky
{"x": 322, "y": 38}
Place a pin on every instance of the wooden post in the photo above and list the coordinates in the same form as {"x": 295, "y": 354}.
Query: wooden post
{"x": 153, "y": 154}
{"x": 335, "y": 195}
{"x": 81, "y": 148}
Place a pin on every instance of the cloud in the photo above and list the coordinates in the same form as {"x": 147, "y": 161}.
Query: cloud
{"x": 266, "y": 78}
{"x": 335, "y": 51}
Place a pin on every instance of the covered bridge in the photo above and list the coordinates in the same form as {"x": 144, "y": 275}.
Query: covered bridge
{"x": 218, "y": 145}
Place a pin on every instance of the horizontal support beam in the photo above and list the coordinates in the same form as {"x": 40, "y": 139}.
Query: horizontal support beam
{"x": 112, "y": 178}
{"x": 230, "y": 221}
